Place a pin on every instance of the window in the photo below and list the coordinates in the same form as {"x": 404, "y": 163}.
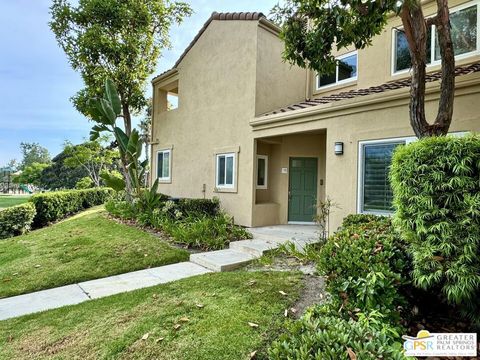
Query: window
{"x": 402, "y": 60}
{"x": 163, "y": 165}
{"x": 345, "y": 71}
{"x": 465, "y": 37}
{"x": 262, "y": 171}
{"x": 225, "y": 172}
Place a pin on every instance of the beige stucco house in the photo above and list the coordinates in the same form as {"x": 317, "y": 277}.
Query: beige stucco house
{"x": 273, "y": 140}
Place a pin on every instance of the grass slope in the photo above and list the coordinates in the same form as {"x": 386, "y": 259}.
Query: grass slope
{"x": 83, "y": 247}
{"x": 11, "y": 200}
{"x": 211, "y": 312}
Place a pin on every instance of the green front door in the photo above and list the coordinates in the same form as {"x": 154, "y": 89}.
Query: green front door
{"x": 302, "y": 194}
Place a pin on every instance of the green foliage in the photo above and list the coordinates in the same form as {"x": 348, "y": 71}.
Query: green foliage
{"x": 16, "y": 220}
{"x": 437, "y": 199}
{"x": 330, "y": 25}
{"x": 202, "y": 232}
{"x": 366, "y": 267}
{"x": 354, "y": 286}
{"x": 33, "y": 153}
{"x": 84, "y": 183}
{"x": 60, "y": 176}
{"x": 57, "y": 205}
{"x": 197, "y": 223}
{"x": 199, "y": 207}
{"x": 105, "y": 112}
{"x": 360, "y": 219}
{"x": 322, "y": 334}
{"x": 94, "y": 156}
{"x": 31, "y": 174}
{"x": 117, "y": 39}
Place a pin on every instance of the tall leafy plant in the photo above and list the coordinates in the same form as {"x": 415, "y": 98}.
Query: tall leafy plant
{"x": 105, "y": 111}
{"x": 437, "y": 198}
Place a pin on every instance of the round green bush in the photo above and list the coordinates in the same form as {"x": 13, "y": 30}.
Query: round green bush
{"x": 436, "y": 185}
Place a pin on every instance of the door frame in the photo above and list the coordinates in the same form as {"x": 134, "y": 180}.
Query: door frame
{"x": 288, "y": 191}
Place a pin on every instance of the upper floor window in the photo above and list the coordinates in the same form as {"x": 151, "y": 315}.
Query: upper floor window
{"x": 465, "y": 37}
{"x": 345, "y": 71}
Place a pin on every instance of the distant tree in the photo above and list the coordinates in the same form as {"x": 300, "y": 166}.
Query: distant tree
{"x": 312, "y": 29}
{"x": 33, "y": 153}
{"x": 13, "y": 164}
{"x": 116, "y": 39}
{"x": 60, "y": 176}
{"x": 93, "y": 156}
{"x": 31, "y": 174}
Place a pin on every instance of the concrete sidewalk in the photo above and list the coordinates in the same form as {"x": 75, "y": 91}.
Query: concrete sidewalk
{"x": 239, "y": 254}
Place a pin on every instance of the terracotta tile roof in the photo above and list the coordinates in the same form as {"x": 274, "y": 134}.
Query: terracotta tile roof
{"x": 253, "y": 16}
{"x": 435, "y": 76}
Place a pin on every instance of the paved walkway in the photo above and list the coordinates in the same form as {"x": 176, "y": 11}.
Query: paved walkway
{"x": 239, "y": 254}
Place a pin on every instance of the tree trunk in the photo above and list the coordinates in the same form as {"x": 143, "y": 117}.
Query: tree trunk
{"x": 127, "y": 119}
{"x": 415, "y": 28}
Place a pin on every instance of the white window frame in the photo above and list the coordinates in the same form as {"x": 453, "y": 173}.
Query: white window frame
{"x": 233, "y": 155}
{"x": 265, "y": 186}
{"x": 341, "y": 82}
{"x": 169, "y": 177}
{"x": 434, "y": 62}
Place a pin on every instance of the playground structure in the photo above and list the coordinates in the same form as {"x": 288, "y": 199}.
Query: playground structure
{"x": 7, "y": 186}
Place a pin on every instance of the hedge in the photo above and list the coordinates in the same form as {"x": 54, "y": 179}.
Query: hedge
{"x": 16, "y": 220}
{"x": 436, "y": 185}
{"x": 57, "y": 205}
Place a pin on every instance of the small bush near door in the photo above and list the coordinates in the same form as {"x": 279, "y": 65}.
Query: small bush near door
{"x": 436, "y": 184}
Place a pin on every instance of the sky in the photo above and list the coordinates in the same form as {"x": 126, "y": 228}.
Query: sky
{"x": 36, "y": 80}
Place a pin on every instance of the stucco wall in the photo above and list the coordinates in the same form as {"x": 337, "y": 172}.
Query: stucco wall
{"x": 374, "y": 117}
{"x": 216, "y": 83}
{"x": 278, "y": 83}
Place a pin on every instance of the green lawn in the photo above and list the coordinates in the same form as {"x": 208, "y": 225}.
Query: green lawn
{"x": 203, "y": 318}
{"x": 83, "y": 247}
{"x": 11, "y": 200}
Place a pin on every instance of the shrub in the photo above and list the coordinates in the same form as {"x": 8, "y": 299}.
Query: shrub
{"x": 84, "y": 183}
{"x": 199, "y": 207}
{"x": 366, "y": 265}
{"x": 16, "y": 220}
{"x": 121, "y": 209}
{"x": 322, "y": 334}
{"x": 359, "y": 219}
{"x": 437, "y": 199}
{"x": 57, "y": 205}
{"x": 203, "y": 232}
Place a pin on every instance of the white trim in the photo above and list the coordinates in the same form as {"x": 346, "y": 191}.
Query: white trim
{"x": 341, "y": 82}
{"x": 169, "y": 177}
{"x": 265, "y": 186}
{"x": 434, "y": 62}
{"x": 232, "y": 155}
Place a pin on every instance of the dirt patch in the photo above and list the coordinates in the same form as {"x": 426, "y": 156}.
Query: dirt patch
{"x": 312, "y": 293}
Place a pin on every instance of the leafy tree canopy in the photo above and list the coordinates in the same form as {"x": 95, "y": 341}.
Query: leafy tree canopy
{"x": 31, "y": 174}
{"x": 116, "y": 39}
{"x": 33, "y": 153}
